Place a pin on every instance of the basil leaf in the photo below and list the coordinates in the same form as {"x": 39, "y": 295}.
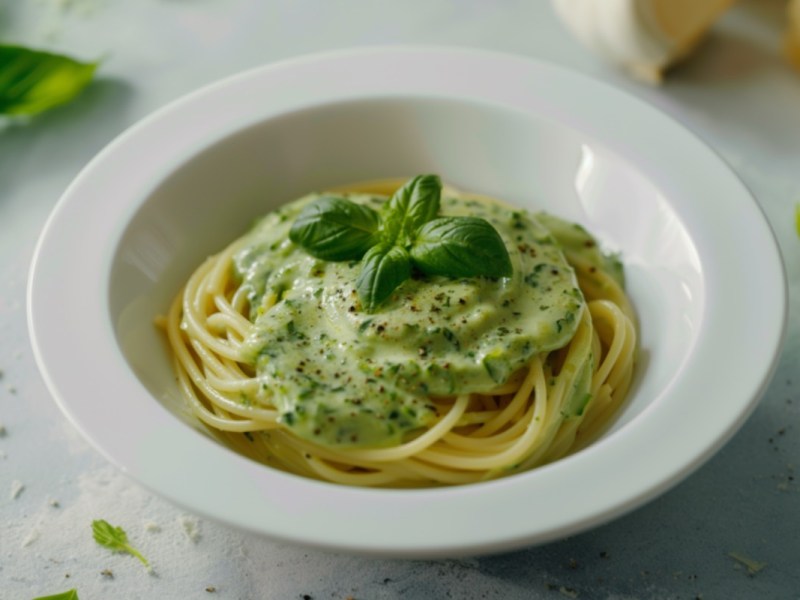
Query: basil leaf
{"x": 383, "y": 269}
{"x": 68, "y": 595}
{"x": 797, "y": 218}
{"x": 335, "y": 229}
{"x": 32, "y": 82}
{"x": 410, "y": 207}
{"x": 115, "y": 539}
{"x": 460, "y": 247}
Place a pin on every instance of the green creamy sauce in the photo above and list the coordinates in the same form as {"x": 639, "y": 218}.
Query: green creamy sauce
{"x": 576, "y": 241}
{"x": 343, "y": 377}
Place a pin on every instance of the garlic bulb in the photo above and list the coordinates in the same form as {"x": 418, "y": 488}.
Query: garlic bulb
{"x": 644, "y": 36}
{"x": 792, "y": 40}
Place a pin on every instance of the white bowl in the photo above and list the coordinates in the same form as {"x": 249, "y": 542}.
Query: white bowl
{"x": 703, "y": 270}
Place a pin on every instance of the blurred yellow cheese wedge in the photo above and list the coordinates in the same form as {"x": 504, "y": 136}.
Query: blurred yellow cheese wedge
{"x": 643, "y": 36}
{"x": 792, "y": 39}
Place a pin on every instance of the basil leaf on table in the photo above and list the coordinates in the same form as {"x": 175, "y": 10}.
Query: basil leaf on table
{"x": 414, "y": 204}
{"x": 115, "y": 539}
{"x": 68, "y": 595}
{"x": 383, "y": 268}
{"x": 335, "y": 229}
{"x": 33, "y": 81}
{"x": 797, "y": 218}
{"x": 460, "y": 247}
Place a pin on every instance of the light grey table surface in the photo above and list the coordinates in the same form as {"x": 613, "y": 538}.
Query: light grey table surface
{"x": 743, "y": 506}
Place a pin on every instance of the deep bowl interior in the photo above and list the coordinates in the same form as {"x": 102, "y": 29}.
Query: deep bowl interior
{"x": 212, "y": 197}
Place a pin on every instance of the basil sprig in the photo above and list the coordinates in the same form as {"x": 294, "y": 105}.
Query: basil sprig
{"x": 405, "y": 235}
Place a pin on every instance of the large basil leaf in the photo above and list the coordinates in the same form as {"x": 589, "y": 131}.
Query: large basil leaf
{"x": 414, "y": 204}
{"x": 335, "y": 229}
{"x": 382, "y": 270}
{"x": 460, "y": 247}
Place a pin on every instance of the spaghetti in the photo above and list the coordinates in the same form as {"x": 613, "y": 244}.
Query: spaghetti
{"x": 559, "y": 400}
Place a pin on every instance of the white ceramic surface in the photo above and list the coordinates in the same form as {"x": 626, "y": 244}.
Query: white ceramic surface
{"x": 703, "y": 270}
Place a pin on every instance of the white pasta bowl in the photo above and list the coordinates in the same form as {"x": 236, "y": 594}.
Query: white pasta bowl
{"x": 184, "y": 182}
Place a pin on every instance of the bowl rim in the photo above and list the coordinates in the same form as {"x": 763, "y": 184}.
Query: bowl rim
{"x": 295, "y": 509}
